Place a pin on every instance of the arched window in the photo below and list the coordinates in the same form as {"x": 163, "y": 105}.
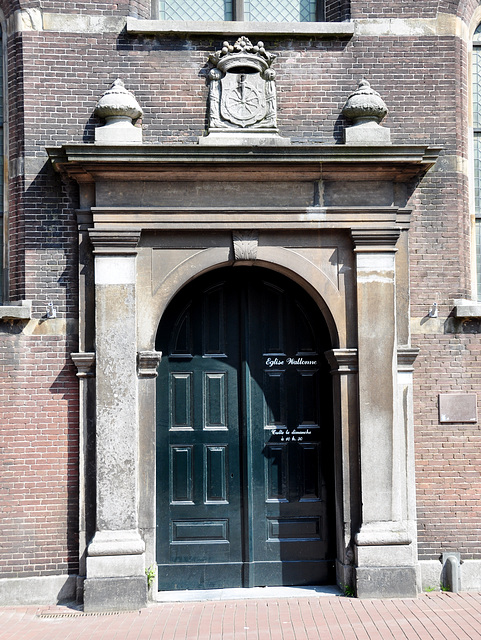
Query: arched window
{"x": 476, "y": 93}
{"x": 248, "y": 10}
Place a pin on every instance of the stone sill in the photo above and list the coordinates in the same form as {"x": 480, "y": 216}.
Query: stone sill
{"x": 467, "y": 309}
{"x": 236, "y": 28}
{"x": 21, "y": 310}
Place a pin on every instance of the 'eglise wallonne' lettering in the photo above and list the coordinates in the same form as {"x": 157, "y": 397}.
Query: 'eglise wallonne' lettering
{"x": 298, "y": 362}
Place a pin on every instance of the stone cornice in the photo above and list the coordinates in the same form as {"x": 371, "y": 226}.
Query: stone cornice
{"x": 443, "y": 24}
{"x": 85, "y": 363}
{"x": 147, "y": 363}
{"x": 375, "y": 240}
{"x": 418, "y": 154}
{"x": 342, "y": 361}
{"x": 406, "y": 357}
{"x": 88, "y": 162}
{"x": 115, "y": 241}
{"x": 36, "y": 19}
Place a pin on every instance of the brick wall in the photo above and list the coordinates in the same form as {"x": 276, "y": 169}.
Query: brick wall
{"x": 39, "y": 461}
{"x": 448, "y": 456}
{"x": 422, "y": 79}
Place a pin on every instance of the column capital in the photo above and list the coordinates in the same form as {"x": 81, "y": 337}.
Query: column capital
{"x": 147, "y": 363}
{"x": 85, "y": 363}
{"x": 115, "y": 241}
{"x": 375, "y": 240}
{"x": 342, "y": 361}
{"x": 406, "y": 357}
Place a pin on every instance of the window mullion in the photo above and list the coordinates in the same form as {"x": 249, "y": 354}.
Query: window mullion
{"x": 238, "y": 10}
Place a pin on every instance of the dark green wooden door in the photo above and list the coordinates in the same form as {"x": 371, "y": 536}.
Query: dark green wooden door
{"x": 244, "y": 436}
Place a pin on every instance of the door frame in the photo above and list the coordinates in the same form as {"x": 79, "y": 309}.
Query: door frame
{"x": 331, "y": 304}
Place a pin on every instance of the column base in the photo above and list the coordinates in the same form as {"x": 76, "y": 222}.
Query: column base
{"x": 386, "y": 582}
{"x": 115, "y": 594}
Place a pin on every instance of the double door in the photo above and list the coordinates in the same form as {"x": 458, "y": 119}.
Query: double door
{"x": 244, "y": 436}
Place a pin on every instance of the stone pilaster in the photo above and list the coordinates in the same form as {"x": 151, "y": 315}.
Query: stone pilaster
{"x": 384, "y": 551}
{"x": 85, "y": 363}
{"x": 344, "y": 368}
{"x": 407, "y": 501}
{"x": 147, "y": 364}
{"x": 116, "y": 563}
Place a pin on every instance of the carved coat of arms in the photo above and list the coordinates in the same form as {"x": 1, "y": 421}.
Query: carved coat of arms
{"x": 242, "y": 93}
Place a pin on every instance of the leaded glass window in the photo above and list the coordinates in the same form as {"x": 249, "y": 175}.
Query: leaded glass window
{"x": 196, "y": 10}
{"x": 248, "y": 10}
{"x": 476, "y": 93}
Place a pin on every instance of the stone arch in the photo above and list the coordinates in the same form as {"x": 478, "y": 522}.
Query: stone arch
{"x": 464, "y": 9}
{"x": 315, "y": 281}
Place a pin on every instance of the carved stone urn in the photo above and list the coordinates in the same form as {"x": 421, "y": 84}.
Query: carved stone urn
{"x": 242, "y": 96}
{"x": 366, "y": 109}
{"x": 120, "y": 109}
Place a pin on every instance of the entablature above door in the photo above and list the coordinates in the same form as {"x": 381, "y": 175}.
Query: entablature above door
{"x": 279, "y": 218}
{"x": 289, "y": 187}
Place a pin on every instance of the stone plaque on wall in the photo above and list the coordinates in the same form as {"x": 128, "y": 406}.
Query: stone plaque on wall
{"x": 457, "y": 407}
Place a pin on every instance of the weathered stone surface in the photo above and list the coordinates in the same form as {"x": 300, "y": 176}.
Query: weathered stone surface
{"x": 37, "y": 590}
{"x": 367, "y": 133}
{"x": 386, "y": 582}
{"x": 17, "y": 311}
{"x": 115, "y": 594}
{"x": 458, "y": 407}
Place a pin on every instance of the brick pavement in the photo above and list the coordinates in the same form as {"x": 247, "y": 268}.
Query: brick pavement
{"x": 434, "y": 616}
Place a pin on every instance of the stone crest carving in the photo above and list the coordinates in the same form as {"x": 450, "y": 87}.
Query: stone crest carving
{"x": 242, "y": 96}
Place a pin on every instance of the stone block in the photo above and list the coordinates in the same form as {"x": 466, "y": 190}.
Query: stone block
{"x": 115, "y": 566}
{"x": 384, "y": 555}
{"x": 115, "y": 594}
{"x": 457, "y": 407}
{"x": 16, "y": 310}
{"x": 37, "y": 590}
{"x": 243, "y": 138}
{"x": 369, "y": 133}
{"x": 386, "y": 582}
{"x": 119, "y": 133}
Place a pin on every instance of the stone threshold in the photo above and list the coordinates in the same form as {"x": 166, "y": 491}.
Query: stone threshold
{"x": 199, "y": 595}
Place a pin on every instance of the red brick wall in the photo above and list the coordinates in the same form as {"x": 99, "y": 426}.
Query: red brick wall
{"x": 422, "y": 79}
{"x": 448, "y": 456}
{"x": 39, "y": 456}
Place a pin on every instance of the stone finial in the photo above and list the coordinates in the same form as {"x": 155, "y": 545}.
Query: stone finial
{"x": 119, "y": 108}
{"x": 366, "y": 109}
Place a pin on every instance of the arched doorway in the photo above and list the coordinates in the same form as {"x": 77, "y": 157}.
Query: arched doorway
{"x": 245, "y": 493}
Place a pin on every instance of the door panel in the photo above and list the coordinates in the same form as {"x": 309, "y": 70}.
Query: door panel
{"x": 244, "y": 437}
